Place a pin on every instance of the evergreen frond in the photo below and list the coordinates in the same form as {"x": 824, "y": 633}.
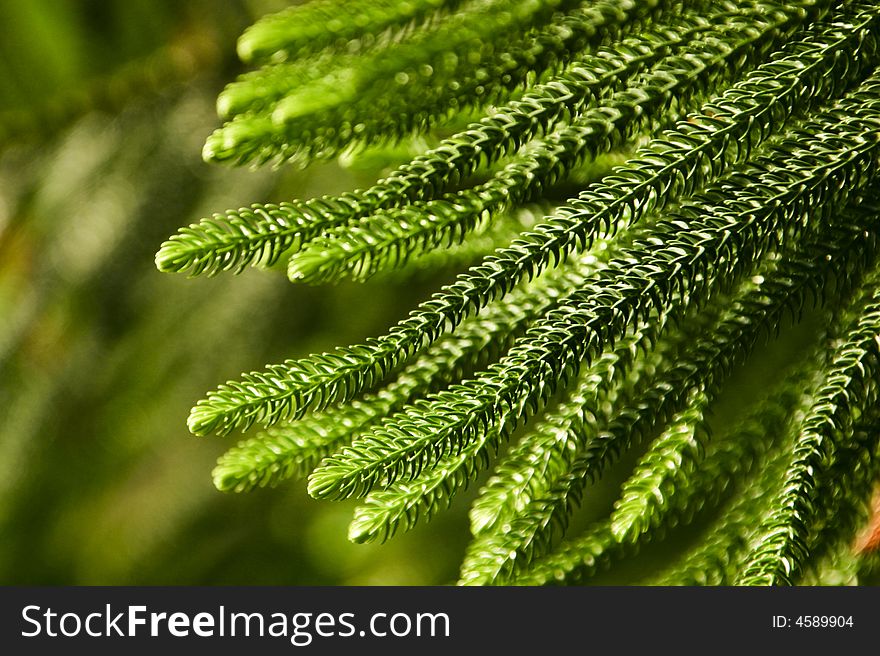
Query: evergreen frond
{"x": 704, "y": 363}
{"x": 715, "y": 560}
{"x": 297, "y": 448}
{"x": 668, "y": 465}
{"x": 323, "y": 23}
{"x": 745, "y": 139}
{"x": 475, "y": 56}
{"x": 594, "y": 316}
{"x": 284, "y": 390}
{"x": 261, "y": 234}
{"x": 390, "y": 238}
{"x": 718, "y": 559}
{"x": 533, "y": 465}
{"x": 629, "y": 197}
{"x": 402, "y": 503}
{"x": 733, "y": 455}
{"x": 479, "y": 243}
{"x": 848, "y": 392}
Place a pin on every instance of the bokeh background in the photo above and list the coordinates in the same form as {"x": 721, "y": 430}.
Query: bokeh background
{"x": 104, "y": 108}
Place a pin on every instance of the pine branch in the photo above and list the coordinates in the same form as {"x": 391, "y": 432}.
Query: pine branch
{"x": 254, "y": 93}
{"x": 388, "y": 239}
{"x": 257, "y": 90}
{"x": 849, "y": 390}
{"x": 295, "y": 449}
{"x": 285, "y": 390}
{"x": 735, "y": 454}
{"x": 591, "y": 318}
{"x": 705, "y": 363}
{"x": 615, "y": 320}
{"x": 533, "y": 465}
{"x": 404, "y": 502}
{"x": 668, "y": 465}
{"x": 261, "y": 234}
{"x": 472, "y": 58}
{"x": 479, "y": 243}
{"x": 716, "y": 559}
{"x": 321, "y": 24}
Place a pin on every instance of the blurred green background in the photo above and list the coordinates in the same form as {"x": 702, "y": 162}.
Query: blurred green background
{"x": 104, "y": 107}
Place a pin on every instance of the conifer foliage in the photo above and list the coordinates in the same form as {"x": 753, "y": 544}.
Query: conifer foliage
{"x": 747, "y": 140}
